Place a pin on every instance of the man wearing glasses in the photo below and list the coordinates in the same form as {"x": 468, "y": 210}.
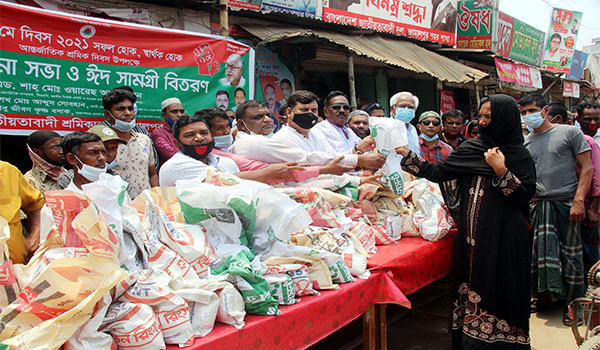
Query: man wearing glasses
{"x": 233, "y": 72}
{"x": 432, "y": 149}
{"x": 403, "y": 107}
{"x": 334, "y": 129}
{"x": 453, "y": 122}
{"x": 47, "y": 157}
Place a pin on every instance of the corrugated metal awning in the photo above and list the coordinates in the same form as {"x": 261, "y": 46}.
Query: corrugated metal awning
{"x": 395, "y": 52}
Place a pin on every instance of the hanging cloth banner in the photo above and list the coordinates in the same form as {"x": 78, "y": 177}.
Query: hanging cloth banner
{"x": 56, "y": 67}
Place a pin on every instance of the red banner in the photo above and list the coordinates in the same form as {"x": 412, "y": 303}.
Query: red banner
{"x": 570, "y": 89}
{"x": 518, "y": 73}
{"x": 446, "y": 101}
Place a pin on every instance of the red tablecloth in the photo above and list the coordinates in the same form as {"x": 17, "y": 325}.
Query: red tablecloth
{"x": 414, "y": 262}
{"x": 307, "y": 322}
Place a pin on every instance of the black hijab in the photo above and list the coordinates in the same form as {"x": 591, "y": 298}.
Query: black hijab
{"x": 504, "y": 131}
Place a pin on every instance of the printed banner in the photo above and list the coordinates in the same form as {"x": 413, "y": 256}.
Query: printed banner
{"x": 560, "y": 43}
{"x": 302, "y": 8}
{"x": 55, "y": 68}
{"x": 276, "y": 80}
{"x": 570, "y": 89}
{"x": 446, "y": 101}
{"x": 518, "y": 40}
{"x": 577, "y": 65}
{"x": 418, "y": 19}
{"x": 518, "y": 73}
{"x": 474, "y": 24}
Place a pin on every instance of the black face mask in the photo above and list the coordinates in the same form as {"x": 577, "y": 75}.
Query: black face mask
{"x": 198, "y": 151}
{"x": 305, "y": 120}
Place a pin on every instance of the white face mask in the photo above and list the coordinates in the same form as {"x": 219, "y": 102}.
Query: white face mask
{"x": 253, "y": 133}
{"x": 90, "y": 172}
{"x": 123, "y": 126}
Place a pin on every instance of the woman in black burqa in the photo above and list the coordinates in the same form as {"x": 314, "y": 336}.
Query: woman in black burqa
{"x": 496, "y": 180}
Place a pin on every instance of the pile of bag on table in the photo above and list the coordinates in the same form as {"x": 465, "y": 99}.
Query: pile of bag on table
{"x": 164, "y": 268}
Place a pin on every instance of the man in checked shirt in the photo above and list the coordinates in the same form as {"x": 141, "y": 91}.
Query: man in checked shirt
{"x": 433, "y": 149}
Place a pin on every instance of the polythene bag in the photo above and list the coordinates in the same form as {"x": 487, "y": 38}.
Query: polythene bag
{"x": 172, "y": 311}
{"x": 388, "y": 135}
{"x": 9, "y": 288}
{"x": 432, "y": 220}
{"x": 282, "y": 288}
{"x": 57, "y": 302}
{"x": 249, "y": 281}
{"x": 133, "y": 325}
{"x": 88, "y": 336}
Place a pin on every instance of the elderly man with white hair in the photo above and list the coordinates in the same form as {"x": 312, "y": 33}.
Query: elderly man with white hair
{"x": 163, "y": 137}
{"x": 403, "y": 107}
{"x": 233, "y": 72}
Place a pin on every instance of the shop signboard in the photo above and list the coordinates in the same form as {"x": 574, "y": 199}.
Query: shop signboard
{"x": 518, "y": 73}
{"x": 276, "y": 80}
{"x": 570, "y": 89}
{"x": 418, "y": 19}
{"x": 561, "y": 39}
{"x": 577, "y": 66}
{"x": 474, "y": 24}
{"x": 55, "y": 68}
{"x": 518, "y": 40}
{"x": 303, "y": 8}
{"x": 446, "y": 101}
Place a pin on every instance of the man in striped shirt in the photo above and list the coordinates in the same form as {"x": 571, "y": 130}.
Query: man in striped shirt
{"x": 433, "y": 149}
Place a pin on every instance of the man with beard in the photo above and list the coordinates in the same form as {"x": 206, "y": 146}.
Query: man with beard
{"x": 453, "y": 122}
{"x": 358, "y": 121}
{"x": 47, "y": 157}
{"x": 195, "y": 143}
{"x": 588, "y": 116}
{"x": 163, "y": 137}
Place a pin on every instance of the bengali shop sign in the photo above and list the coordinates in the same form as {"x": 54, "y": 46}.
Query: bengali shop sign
{"x": 560, "y": 43}
{"x": 518, "y": 73}
{"x": 417, "y": 19}
{"x": 446, "y": 101}
{"x": 55, "y": 68}
{"x": 518, "y": 40}
{"x": 474, "y": 24}
{"x": 302, "y": 8}
{"x": 570, "y": 89}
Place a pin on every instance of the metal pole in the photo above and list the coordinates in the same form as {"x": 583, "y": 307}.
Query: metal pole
{"x": 223, "y": 18}
{"x": 351, "y": 81}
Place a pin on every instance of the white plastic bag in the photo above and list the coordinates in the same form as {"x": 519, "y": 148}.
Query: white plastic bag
{"x": 133, "y": 325}
{"x": 388, "y": 135}
{"x": 432, "y": 220}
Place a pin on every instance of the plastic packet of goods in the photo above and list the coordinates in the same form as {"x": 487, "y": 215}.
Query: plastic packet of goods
{"x": 323, "y": 216}
{"x": 65, "y": 206}
{"x": 133, "y": 325}
{"x": 231, "y": 304}
{"x": 302, "y": 284}
{"x": 172, "y": 311}
{"x": 9, "y": 288}
{"x": 88, "y": 336}
{"x": 163, "y": 258}
{"x": 189, "y": 241}
{"x": 318, "y": 271}
{"x": 282, "y": 288}
{"x": 249, "y": 280}
{"x": 95, "y": 233}
{"x": 57, "y": 302}
{"x": 393, "y": 223}
{"x": 365, "y": 235}
{"x": 281, "y": 268}
{"x": 388, "y": 135}
{"x": 432, "y": 220}
{"x": 204, "y": 306}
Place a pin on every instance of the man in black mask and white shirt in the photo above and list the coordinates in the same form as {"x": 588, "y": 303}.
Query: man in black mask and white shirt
{"x": 194, "y": 158}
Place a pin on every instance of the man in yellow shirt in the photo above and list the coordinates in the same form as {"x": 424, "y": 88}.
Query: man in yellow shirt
{"x": 17, "y": 194}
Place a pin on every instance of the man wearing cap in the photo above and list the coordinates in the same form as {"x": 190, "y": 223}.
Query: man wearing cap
{"x": 47, "y": 157}
{"x": 433, "y": 149}
{"x": 358, "y": 121}
{"x": 111, "y": 143}
{"x": 163, "y": 137}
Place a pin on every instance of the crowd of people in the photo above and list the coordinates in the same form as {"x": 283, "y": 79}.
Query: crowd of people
{"x": 527, "y": 207}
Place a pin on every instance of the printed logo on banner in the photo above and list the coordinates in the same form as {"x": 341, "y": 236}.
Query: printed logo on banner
{"x": 55, "y": 70}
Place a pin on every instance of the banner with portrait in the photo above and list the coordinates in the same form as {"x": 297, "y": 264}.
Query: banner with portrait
{"x": 428, "y": 20}
{"x": 561, "y": 39}
{"x": 56, "y": 67}
{"x": 276, "y": 80}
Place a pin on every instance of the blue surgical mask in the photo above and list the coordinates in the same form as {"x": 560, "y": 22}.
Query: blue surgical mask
{"x": 90, "y": 172}
{"x": 533, "y": 120}
{"x": 170, "y": 122}
{"x": 123, "y": 126}
{"x": 577, "y": 124}
{"x": 405, "y": 114}
{"x": 427, "y": 138}
{"x": 223, "y": 142}
{"x": 111, "y": 164}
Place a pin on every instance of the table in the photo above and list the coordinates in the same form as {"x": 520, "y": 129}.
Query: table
{"x": 396, "y": 270}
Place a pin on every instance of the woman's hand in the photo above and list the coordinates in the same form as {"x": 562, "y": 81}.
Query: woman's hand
{"x": 403, "y": 151}
{"x": 495, "y": 158}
